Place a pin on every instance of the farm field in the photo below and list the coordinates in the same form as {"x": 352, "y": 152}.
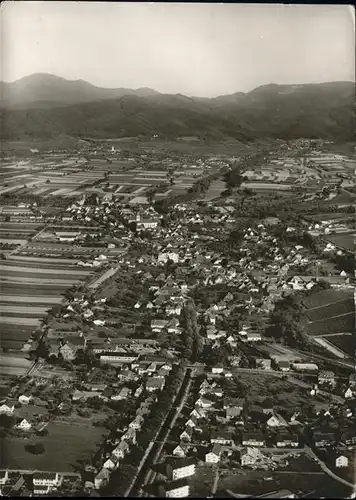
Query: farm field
{"x": 340, "y": 324}
{"x": 215, "y": 189}
{"x": 330, "y": 216}
{"x": 326, "y": 297}
{"x": 10, "y": 364}
{"x": 71, "y": 440}
{"x": 14, "y": 336}
{"x": 29, "y": 288}
{"x": 346, "y": 241}
{"x": 8, "y": 270}
{"x": 329, "y": 311}
{"x": 346, "y": 343}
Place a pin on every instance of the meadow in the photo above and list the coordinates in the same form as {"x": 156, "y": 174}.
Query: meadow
{"x": 65, "y": 445}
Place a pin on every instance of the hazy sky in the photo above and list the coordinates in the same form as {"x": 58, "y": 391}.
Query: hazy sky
{"x": 195, "y": 49}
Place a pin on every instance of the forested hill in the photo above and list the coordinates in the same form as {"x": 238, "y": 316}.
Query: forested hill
{"x": 277, "y": 111}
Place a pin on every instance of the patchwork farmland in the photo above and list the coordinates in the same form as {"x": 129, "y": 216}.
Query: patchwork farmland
{"x": 29, "y": 289}
{"x": 331, "y": 319}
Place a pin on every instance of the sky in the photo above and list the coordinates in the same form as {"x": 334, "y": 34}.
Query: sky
{"x": 194, "y": 49}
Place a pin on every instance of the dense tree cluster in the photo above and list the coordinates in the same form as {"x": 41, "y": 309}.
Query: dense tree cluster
{"x": 193, "y": 341}
{"x": 287, "y": 321}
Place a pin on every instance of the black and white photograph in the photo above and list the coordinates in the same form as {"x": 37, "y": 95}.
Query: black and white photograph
{"x": 177, "y": 230}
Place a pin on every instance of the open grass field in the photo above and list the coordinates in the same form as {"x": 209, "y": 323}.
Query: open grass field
{"x": 338, "y": 324}
{"x": 346, "y": 343}
{"x": 24, "y": 299}
{"x": 27, "y": 321}
{"x": 338, "y": 216}
{"x": 13, "y": 336}
{"x": 34, "y": 280}
{"x": 42, "y": 260}
{"x": 326, "y": 297}
{"x": 27, "y": 309}
{"x": 13, "y": 270}
{"x": 64, "y": 446}
{"x": 256, "y": 483}
{"x": 8, "y": 289}
{"x": 331, "y": 310}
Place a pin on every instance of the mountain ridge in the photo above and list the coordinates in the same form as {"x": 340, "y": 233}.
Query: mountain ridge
{"x": 324, "y": 110}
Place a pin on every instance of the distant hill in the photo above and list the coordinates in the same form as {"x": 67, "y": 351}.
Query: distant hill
{"x": 44, "y": 106}
{"x": 43, "y": 90}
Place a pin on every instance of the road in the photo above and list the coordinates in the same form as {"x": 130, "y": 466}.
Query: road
{"x": 109, "y": 273}
{"x": 215, "y": 484}
{"x": 151, "y": 475}
{"x": 255, "y": 371}
{"x": 327, "y": 470}
{"x": 308, "y": 354}
{"x": 160, "y": 438}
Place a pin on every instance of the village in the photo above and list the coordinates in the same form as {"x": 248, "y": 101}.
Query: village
{"x": 201, "y": 333}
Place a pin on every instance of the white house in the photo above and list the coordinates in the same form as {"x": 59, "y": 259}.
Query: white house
{"x": 102, "y": 478}
{"x": 348, "y": 393}
{"x": 203, "y": 403}
{"x": 341, "y": 461}
{"x": 136, "y": 423}
{"x": 176, "y": 489}
{"x": 4, "y": 476}
{"x": 130, "y": 435}
{"x": 24, "y": 400}
{"x": 253, "y": 337}
{"x": 276, "y": 420}
{"x": 214, "y": 455}
{"x": 23, "y": 424}
{"x": 187, "y": 434}
{"x": 121, "y": 449}
{"x": 180, "y": 450}
{"x": 217, "y": 369}
{"x": 111, "y": 463}
{"x": 7, "y": 407}
{"x": 181, "y": 468}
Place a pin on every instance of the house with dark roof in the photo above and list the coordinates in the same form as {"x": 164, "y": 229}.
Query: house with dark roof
{"x": 324, "y": 439}
{"x": 174, "y": 489}
{"x": 286, "y": 440}
{"x": 155, "y": 384}
{"x": 253, "y": 438}
{"x": 180, "y": 468}
{"x": 46, "y": 479}
{"x": 222, "y": 437}
{"x": 326, "y": 377}
{"x": 213, "y": 456}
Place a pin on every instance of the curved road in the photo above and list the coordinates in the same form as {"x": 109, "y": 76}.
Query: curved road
{"x": 327, "y": 470}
